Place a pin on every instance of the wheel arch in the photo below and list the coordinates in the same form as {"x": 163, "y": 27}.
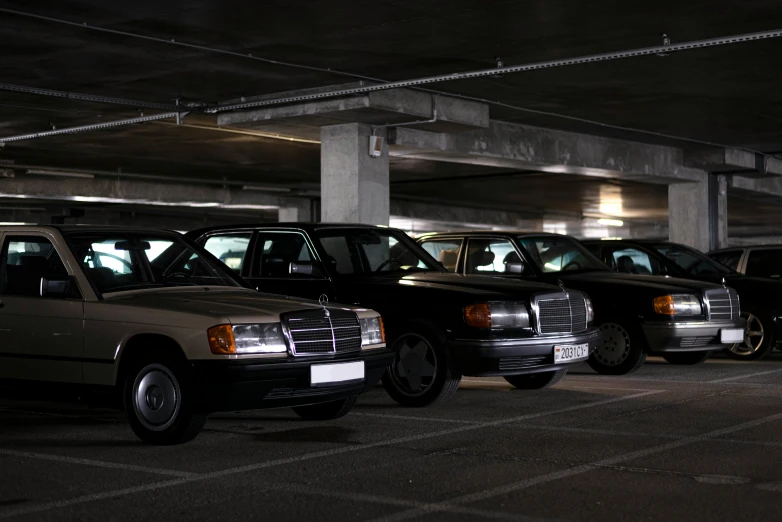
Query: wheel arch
{"x": 141, "y": 344}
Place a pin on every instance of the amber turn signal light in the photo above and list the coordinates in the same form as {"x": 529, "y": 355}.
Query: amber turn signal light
{"x": 478, "y": 315}
{"x": 663, "y": 305}
{"x": 382, "y": 329}
{"x": 221, "y": 340}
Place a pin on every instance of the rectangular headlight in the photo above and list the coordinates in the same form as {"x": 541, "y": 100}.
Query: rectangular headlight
{"x": 497, "y": 315}
{"x": 681, "y": 305}
{"x": 372, "y": 331}
{"x": 259, "y": 338}
{"x": 590, "y": 310}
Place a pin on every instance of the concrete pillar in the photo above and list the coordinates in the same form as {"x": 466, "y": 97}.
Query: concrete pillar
{"x": 697, "y": 213}
{"x": 353, "y": 185}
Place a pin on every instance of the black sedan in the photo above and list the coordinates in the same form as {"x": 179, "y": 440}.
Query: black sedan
{"x": 682, "y": 319}
{"x": 761, "y": 299}
{"x": 441, "y": 325}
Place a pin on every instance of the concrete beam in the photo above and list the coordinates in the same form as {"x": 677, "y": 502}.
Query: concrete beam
{"x": 523, "y": 147}
{"x": 733, "y": 161}
{"x": 467, "y": 216}
{"x": 768, "y": 187}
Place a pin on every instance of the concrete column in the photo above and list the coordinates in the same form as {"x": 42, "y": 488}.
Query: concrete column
{"x": 353, "y": 185}
{"x": 697, "y": 213}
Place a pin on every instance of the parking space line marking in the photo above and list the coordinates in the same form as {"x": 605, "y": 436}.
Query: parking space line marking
{"x": 747, "y": 376}
{"x": 569, "y": 472}
{"x": 97, "y": 463}
{"x": 412, "y": 417}
{"x": 674, "y": 381}
{"x": 563, "y": 386}
{"x": 307, "y": 456}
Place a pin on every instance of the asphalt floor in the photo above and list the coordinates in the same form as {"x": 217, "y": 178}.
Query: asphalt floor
{"x": 667, "y": 443}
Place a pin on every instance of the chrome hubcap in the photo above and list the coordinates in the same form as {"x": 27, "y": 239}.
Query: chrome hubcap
{"x": 156, "y": 397}
{"x": 415, "y": 365}
{"x": 615, "y": 346}
{"x": 754, "y": 335}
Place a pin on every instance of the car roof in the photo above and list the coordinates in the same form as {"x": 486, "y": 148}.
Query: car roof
{"x": 306, "y": 226}
{"x": 87, "y": 228}
{"x": 491, "y": 233}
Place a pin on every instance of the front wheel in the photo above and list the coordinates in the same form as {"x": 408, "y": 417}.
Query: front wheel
{"x": 621, "y": 351}
{"x": 159, "y": 400}
{"x": 686, "y": 358}
{"x": 758, "y": 339}
{"x": 423, "y": 373}
{"x": 326, "y": 410}
{"x": 536, "y": 381}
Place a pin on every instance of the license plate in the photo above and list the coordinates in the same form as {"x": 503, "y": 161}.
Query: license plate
{"x": 336, "y": 373}
{"x": 731, "y": 335}
{"x": 570, "y": 353}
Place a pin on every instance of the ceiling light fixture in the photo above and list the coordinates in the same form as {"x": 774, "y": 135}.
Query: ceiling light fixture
{"x": 611, "y": 222}
{"x": 60, "y": 174}
{"x": 265, "y": 188}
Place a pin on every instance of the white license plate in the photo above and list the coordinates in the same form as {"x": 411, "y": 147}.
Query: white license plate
{"x": 570, "y": 353}
{"x": 336, "y": 373}
{"x": 731, "y": 335}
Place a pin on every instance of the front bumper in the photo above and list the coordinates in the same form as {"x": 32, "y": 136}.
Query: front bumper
{"x": 688, "y": 337}
{"x": 485, "y": 358}
{"x": 255, "y": 384}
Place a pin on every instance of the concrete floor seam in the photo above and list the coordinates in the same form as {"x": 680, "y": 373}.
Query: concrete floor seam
{"x": 277, "y": 462}
{"x": 557, "y": 475}
{"x": 739, "y": 377}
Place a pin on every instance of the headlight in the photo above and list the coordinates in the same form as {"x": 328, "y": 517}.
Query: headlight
{"x": 247, "y": 338}
{"x": 497, "y": 315}
{"x": 372, "y": 331}
{"x": 677, "y": 305}
{"x": 590, "y": 310}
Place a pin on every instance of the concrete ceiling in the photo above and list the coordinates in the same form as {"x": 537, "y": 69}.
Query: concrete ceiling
{"x": 727, "y": 94}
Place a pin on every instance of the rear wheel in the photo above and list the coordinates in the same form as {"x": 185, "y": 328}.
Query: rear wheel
{"x": 423, "y": 372}
{"x": 620, "y": 351}
{"x": 758, "y": 338}
{"x": 326, "y": 410}
{"x": 535, "y": 381}
{"x": 160, "y": 402}
{"x": 686, "y": 358}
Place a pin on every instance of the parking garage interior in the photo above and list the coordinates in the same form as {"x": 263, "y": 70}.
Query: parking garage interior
{"x": 597, "y": 120}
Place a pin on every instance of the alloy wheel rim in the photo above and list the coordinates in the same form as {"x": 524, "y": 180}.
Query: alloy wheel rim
{"x": 415, "y": 365}
{"x": 156, "y": 397}
{"x": 615, "y": 346}
{"x": 754, "y": 335}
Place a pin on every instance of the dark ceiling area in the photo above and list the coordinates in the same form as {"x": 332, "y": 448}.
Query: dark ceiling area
{"x": 728, "y": 94}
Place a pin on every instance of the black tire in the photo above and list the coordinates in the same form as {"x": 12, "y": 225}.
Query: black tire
{"x": 686, "y": 358}
{"x": 326, "y": 410}
{"x": 169, "y": 387}
{"x": 408, "y": 380}
{"x": 621, "y": 351}
{"x": 536, "y": 381}
{"x": 754, "y": 347}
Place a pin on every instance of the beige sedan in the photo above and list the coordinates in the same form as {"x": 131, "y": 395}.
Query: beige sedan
{"x": 144, "y": 320}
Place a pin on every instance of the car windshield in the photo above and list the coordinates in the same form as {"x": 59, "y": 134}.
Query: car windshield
{"x": 372, "y": 251}
{"x": 552, "y": 254}
{"x": 118, "y": 261}
{"x": 690, "y": 260}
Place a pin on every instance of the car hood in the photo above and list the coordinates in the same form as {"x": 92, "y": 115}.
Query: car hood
{"x": 618, "y": 279}
{"x": 747, "y": 284}
{"x": 228, "y": 305}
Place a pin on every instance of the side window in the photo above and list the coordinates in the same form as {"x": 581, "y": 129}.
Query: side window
{"x": 24, "y": 261}
{"x": 729, "y": 259}
{"x": 596, "y": 249}
{"x": 633, "y": 261}
{"x": 446, "y": 251}
{"x": 491, "y": 256}
{"x": 231, "y": 249}
{"x": 765, "y": 263}
{"x": 284, "y": 254}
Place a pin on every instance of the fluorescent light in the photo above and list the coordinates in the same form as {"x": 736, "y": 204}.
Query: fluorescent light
{"x": 12, "y": 223}
{"x": 60, "y": 174}
{"x": 264, "y": 188}
{"x": 611, "y": 238}
{"x": 611, "y": 222}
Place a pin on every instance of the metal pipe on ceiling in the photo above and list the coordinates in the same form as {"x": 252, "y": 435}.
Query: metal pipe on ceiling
{"x": 602, "y": 57}
{"x": 86, "y": 97}
{"x": 94, "y": 126}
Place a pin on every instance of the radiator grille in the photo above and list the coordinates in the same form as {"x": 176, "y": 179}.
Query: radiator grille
{"x": 561, "y": 313}
{"x": 322, "y": 332}
{"x": 722, "y": 304}
{"x": 696, "y": 342}
{"x": 528, "y": 361}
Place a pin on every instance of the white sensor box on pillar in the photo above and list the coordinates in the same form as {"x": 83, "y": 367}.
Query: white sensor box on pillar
{"x": 375, "y": 146}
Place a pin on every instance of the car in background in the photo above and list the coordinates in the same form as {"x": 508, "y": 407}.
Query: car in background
{"x": 761, "y": 299}
{"x": 754, "y": 261}
{"x": 684, "y": 320}
{"x": 439, "y": 325}
{"x": 147, "y": 321}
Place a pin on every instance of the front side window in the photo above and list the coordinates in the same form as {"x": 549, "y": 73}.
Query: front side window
{"x": 728, "y": 259}
{"x": 24, "y": 261}
{"x": 283, "y": 254}
{"x": 116, "y": 262}
{"x": 764, "y": 263}
{"x": 634, "y": 261}
{"x": 491, "y": 256}
{"x": 445, "y": 251}
{"x": 690, "y": 260}
{"x": 552, "y": 254}
{"x": 231, "y": 249}
{"x": 372, "y": 251}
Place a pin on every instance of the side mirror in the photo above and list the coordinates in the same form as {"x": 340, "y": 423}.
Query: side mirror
{"x": 305, "y": 268}
{"x": 57, "y": 286}
{"x": 514, "y": 268}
